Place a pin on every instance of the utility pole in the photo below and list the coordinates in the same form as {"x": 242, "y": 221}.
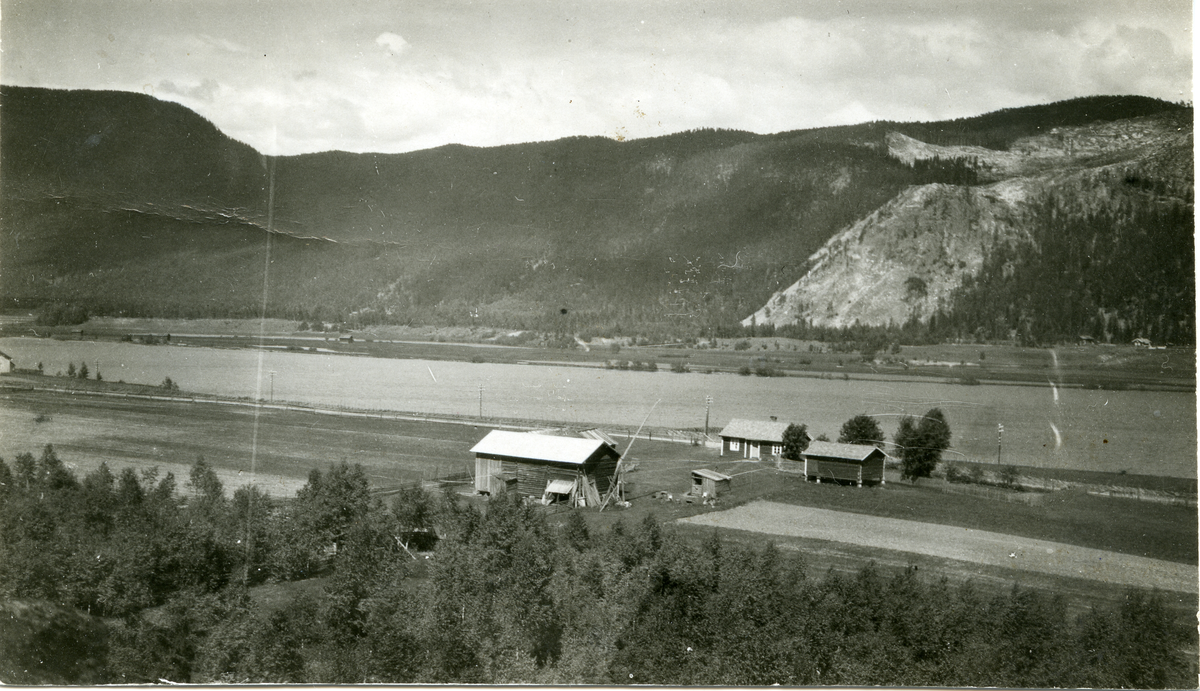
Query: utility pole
{"x": 707, "y": 405}
{"x": 481, "y": 400}
{"x": 999, "y": 439}
{"x": 272, "y": 386}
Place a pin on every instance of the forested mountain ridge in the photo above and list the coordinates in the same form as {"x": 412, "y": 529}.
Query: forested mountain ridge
{"x": 138, "y": 207}
{"x": 1080, "y": 230}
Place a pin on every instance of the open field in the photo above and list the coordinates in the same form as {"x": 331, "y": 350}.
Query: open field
{"x": 275, "y": 449}
{"x": 821, "y": 556}
{"x": 949, "y": 542}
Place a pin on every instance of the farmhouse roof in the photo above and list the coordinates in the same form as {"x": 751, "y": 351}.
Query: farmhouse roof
{"x": 851, "y": 452}
{"x": 711, "y": 474}
{"x": 759, "y": 430}
{"x": 539, "y": 447}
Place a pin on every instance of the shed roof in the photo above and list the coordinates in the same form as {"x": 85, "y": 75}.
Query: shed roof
{"x": 560, "y": 486}
{"x": 710, "y": 474}
{"x": 6, "y": 356}
{"x": 540, "y": 447}
{"x": 760, "y": 430}
{"x": 850, "y": 452}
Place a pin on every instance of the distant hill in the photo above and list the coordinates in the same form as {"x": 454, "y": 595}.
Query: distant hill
{"x": 137, "y": 206}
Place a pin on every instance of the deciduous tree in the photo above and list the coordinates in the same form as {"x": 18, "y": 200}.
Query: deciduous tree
{"x": 795, "y": 441}
{"x": 921, "y": 443}
{"x": 861, "y": 429}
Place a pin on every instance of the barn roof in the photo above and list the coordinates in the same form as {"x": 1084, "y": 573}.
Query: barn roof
{"x": 590, "y": 433}
{"x": 540, "y": 447}
{"x": 560, "y": 486}
{"x": 710, "y": 474}
{"x": 759, "y": 430}
{"x": 850, "y": 452}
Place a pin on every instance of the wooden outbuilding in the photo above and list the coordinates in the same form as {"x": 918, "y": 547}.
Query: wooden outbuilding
{"x": 7, "y": 364}
{"x": 753, "y": 438}
{"x": 709, "y": 483}
{"x": 551, "y": 468}
{"x": 857, "y": 463}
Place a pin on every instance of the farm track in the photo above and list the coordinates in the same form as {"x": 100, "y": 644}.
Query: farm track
{"x": 954, "y": 543}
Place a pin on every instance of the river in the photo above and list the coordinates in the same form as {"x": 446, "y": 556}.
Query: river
{"x": 1143, "y": 432}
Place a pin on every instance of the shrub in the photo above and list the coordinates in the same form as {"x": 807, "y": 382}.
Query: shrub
{"x": 956, "y": 474}
{"x": 767, "y": 370}
{"x": 742, "y": 345}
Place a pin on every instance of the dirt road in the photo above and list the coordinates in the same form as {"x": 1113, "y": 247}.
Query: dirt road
{"x": 948, "y": 542}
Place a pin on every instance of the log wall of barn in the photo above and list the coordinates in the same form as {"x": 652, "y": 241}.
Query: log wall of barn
{"x": 835, "y": 470}
{"x": 603, "y": 471}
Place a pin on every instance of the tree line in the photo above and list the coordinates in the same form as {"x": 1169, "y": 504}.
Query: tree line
{"x": 122, "y": 578}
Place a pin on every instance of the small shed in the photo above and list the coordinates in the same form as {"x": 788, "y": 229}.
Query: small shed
{"x": 710, "y": 483}
{"x": 753, "y": 438}
{"x": 7, "y": 364}
{"x": 857, "y": 463}
{"x": 547, "y": 467}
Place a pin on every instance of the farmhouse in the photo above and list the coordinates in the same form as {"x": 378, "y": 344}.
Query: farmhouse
{"x": 856, "y": 463}
{"x": 577, "y": 470}
{"x": 753, "y": 438}
{"x": 6, "y": 364}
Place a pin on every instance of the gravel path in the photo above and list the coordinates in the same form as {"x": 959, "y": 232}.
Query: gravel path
{"x": 964, "y": 544}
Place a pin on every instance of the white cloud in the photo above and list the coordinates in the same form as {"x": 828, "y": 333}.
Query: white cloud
{"x": 487, "y": 73}
{"x": 394, "y": 43}
{"x": 204, "y": 91}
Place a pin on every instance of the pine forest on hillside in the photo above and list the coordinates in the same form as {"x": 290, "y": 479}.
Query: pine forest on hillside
{"x": 127, "y": 206}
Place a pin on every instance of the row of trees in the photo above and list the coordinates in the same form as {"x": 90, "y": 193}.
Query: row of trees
{"x": 81, "y": 373}
{"x": 509, "y": 595}
{"x": 919, "y": 441}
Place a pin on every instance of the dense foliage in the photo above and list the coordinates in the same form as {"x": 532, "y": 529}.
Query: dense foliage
{"x": 861, "y": 429}
{"x": 506, "y": 596}
{"x": 1113, "y": 274}
{"x": 920, "y": 443}
{"x": 795, "y": 441}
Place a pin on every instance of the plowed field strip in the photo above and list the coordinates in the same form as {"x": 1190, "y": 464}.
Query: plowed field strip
{"x": 964, "y": 544}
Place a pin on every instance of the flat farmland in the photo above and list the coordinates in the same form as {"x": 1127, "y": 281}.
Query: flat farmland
{"x": 953, "y": 542}
{"x": 275, "y": 449}
{"x": 278, "y": 447}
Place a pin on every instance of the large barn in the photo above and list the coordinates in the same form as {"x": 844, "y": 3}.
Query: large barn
{"x": 855, "y": 463}
{"x": 573, "y": 469}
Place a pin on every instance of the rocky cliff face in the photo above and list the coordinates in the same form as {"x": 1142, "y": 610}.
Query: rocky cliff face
{"x": 905, "y": 260}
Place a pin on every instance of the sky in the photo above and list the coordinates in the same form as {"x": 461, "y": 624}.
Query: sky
{"x": 301, "y": 76}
